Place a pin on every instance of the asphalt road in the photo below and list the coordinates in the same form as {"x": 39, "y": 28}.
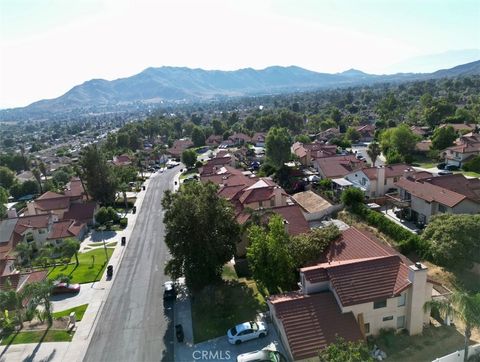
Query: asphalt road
{"x": 134, "y": 324}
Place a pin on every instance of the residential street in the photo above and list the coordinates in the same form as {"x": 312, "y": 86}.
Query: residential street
{"x": 134, "y": 325}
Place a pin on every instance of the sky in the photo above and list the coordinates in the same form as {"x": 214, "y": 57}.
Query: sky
{"x": 49, "y": 46}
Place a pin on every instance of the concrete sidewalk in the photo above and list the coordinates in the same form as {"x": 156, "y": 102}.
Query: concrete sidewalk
{"x": 76, "y": 349}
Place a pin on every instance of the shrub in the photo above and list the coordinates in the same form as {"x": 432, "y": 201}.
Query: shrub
{"x": 352, "y": 196}
{"x": 472, "y": 165}
{"x": 123, "y": 222}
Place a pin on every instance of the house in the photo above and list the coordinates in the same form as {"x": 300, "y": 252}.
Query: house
{"x": 423, "y": 146}
{"x": 307, "y": 153}
{"x": 426, "y": 197}
{"x": 258, "y": 139}
{"x": 214, "y": 164}
{"x": 122, "y": 160}
{"x": 466, "y": 149}
{"x": 327, "y": 135}
{"x": 179, "y": 146}
{"x": 240, "y": 138}
{"x": 420, "y": 131}
{"x": 64, "y": 229}
{"x": 377, "y": 181}
{"x": 461, "y": 127}
{"x": 358, "y": 287}
{"x": 214, "y": 140}
{"x": 337, "y": 166}
{"x": 367, "y": 132}
{"x": 314, "y": 207}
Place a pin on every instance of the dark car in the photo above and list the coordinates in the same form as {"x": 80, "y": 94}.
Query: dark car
{"x": 441, "y": 166}
{"x": 169, "y": 291}
{"x": 445, "y": 172}
{"x": 451, "y": 167}
{"x": 61, "y": 288}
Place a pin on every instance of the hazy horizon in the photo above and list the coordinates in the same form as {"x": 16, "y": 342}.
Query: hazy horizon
{"x": 49, "y": 47}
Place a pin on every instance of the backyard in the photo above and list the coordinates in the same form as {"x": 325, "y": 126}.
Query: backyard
{"x": 221, "y": 306}
{"x": 90, "y": 268}
{"x": 434, "y": 342}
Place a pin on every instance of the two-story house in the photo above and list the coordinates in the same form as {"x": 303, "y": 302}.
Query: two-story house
{"x": 357, "y": 288}
{"x": 307, "y": 153}
{"x": 337, "y": 166}
{"x": 426, "y": 197}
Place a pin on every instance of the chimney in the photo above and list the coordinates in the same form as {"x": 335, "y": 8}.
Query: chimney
{"x": 417, "y": 296}
{"x": 285, "y": 224}
{"x": 31, "y": 208}
{"x": 12, "y": 213}
{"x": 279, "y": 199}
{"x": 380, "y": 180}
{"x": 408, "y": 172}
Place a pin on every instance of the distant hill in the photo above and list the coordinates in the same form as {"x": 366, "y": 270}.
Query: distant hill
{"x": 173, "y": 84}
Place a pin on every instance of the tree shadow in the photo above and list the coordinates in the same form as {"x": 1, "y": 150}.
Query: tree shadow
{"x": 99, "y": 236}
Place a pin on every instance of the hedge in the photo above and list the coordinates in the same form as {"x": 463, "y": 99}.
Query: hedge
{"x": 405, "y": 240}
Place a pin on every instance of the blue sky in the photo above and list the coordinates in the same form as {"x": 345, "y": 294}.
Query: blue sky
{"x": 48, "y": 46}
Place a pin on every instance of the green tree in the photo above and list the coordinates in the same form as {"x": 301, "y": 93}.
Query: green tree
{"x": 472, "y": 165}
{"x": 201, "y": 233}
{"x": 3, "y": 195}
{"x": 463, "y": 306}
{"x": 29, "y": 187}
{"x": 271, "y": 264}
{"x": 70, "y": 247}
{"x": 343, "y": 351}
{"x": 102, "y": 217}
{"x": 353, "y": 135}
{"x": 7, "y": 177}
{"x": 100, "y": 179}
{"x": 352, "y": 197}
{"x": 38, "y": 177}
{"x": 189, "y": 157}
{"x": 38, "y": 294}
{"x": 278, "y": 144}
{"x": 373, "y": 151}
{"x": 24, "y": 253}
{"x": 303, "y": 138}
{"x": 308, "y": 247}
{"x": 218, "y": 127}
{"x": 61, "y": 178}
{"x": 443, "y": 137}
{"x": 198, "y": 137}
{"x": 10, "y": 299}
{"x": 400, "y": 139}
{"x": 450, "y": 239}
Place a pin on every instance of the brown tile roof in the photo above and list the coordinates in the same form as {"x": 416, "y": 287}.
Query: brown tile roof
{"x": 240, "y": 136}
{"x": 297, "y": 224}
{"x": 52, "y": 201}
{"x": 466, "y": 147}
{"x": 395, "y": 170}
{"x": 338, "y": 166}
{"x": 122, "y": 160}
{"x": 214, "y": 140}
{"x": 65, "y": 229}
{"x": 469, "y": 187}
{"x": 49, "y": 195}
{"x": 19, "y": 280}
{"x": 74, "y": 188}
{"x": 311, "y": 322}
{"x": 214, "y": 164}
{"x": 83, "y": 212}
{"x": 423, "y": 146}
{"x": 179, "y": 146}
{"x": 32, "y": 221}
{"x": 430, "y": 192}
{"x": 311, "y": 202}
{"x": 459, "y": 126}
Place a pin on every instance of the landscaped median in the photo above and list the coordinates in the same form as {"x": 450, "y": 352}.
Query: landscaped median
{"x": 221, "y": 306}
{"x": 48, "y": 335}
{"x": 90, "y": 269}
{"x": 79, "y": 312}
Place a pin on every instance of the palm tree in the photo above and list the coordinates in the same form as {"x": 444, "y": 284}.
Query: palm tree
{"x": 38, "y": 177}
{"x": 43, "y": 169}
{"x": 461, "y": 305}
{"x": 24, "y": 158}
{"x": 70, "y": 247}
{"x": 38, "y": 293}
{"x": 10, "y": 299}
{"x": 124, "y": 188}
{"x": 79, "y": 174}
{"x": 374, "y": 151}
{"x": 24, "y": 253}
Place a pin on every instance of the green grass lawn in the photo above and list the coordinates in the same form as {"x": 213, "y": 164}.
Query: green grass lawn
{"x": 434, "y": 342}
{"x": 36, "y": 337}
{"x": 89, "y": 269}
{"x": 221, "y": 306}
{"x": 471, "y": 173}
{"x": 79, "y": 312}
{"x": 187, "y": 173}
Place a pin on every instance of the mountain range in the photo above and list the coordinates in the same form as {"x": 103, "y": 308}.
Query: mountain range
{"x": 179, "y": 84}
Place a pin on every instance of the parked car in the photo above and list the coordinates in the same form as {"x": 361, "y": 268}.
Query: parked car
{"x": 263, "y": 355}
{"x": 169, "y": 291}
{"x": 441, "y": 165}
{"x": 60, "y": 288}
{"x": 445, "y": 172}
{"x": 451, "y": 167}
{"x": 246, "y": 331}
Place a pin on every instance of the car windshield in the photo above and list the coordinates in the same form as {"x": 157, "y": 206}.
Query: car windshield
{"x": 233, "y": 331}
{"x": 254, "y": 326}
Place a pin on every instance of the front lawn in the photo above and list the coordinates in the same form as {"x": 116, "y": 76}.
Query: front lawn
{"x": 219, "y": 307}
{"x": 79, "y": 312}
{"x": 36, "y": 337}
{"x": 434, "y": 342}
{"x": 90, "y": 269}
{"x": 188, "y": 173}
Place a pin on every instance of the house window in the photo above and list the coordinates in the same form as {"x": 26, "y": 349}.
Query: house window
{"x": 385, "y": 181}
{"x": 380, "y": 304}
{"x": 364, "y": 181}
{"x": 272, "y": 202}
{"x": 41, "y": 231}
{"x": 366, "y": 326}
{"x": 29, "y": 237}
{"x": 442, "y": 208}
{"x": 395, "y": 179}
{"x": 260, "y": 204}
{"x": 401, "y": 322}
{"x": 389, "y": 318}
{"x": 401, "y": 300}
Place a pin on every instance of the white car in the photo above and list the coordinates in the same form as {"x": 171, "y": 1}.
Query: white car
{"x": 264, "y": 355}
{"x": 246, "y": 331}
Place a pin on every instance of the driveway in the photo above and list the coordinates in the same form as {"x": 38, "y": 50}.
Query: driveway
{"x": 66, "y": 301}
{"x": 220, "y": 350}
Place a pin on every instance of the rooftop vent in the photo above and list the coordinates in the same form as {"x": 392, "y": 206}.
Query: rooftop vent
{"x": 418, "y": 265}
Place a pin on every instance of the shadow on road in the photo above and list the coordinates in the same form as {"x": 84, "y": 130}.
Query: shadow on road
{"x": 167, "y": 354}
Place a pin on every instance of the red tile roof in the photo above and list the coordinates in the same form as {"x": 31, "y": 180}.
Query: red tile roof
{"x": 49, "y": 195}
{"x": 338, "y": 166}
{"x": 179, "y": 146}
{"x": 65, "y": 229}
{"x": 74, "y": 188}
{"x": 32, "y": 221}
{"x": 297, "y": 224}
{"x": 52, "y": 201}
{"x": 391, "y": 171}
{"x": 311, "y": 322}
{"x": 469, "y": 187}
{"x": 430, "y": 192}
{"x": 83, "y": 212}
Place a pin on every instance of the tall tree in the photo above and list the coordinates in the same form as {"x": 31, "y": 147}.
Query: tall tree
{"x": 7, "y": 177}
{"x": 201, "y": 233}
{"x": 373, "y": 151}
{"x": 70, "y": 247}
{"x": 278, "y": 144}
{"x": 268, "y": 257}
{"x": 38, "y": 293}
{"x": 443, "y": 137}
{"x": 100, "y": 179}
{"x": 43, "y": 169}
{"x": 36, "y": 173}
{"x": 461, "y": 305}
{"x": 189, "y": 157}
